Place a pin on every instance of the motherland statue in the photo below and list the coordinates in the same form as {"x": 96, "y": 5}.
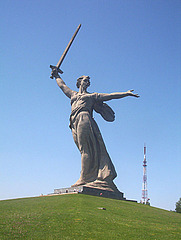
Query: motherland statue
{"x": 97, "y": 169}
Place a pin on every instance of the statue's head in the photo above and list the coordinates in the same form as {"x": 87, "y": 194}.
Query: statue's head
{"x": 83, "y": 80}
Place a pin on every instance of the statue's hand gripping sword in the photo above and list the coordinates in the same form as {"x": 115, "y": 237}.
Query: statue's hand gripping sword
{"x": 57, "y": 67}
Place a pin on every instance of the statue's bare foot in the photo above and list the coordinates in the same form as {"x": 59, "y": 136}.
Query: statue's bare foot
{"x": 79, "y": 183}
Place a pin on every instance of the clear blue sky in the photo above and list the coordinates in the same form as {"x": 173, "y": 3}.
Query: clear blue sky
{"x": 122, "y": 45}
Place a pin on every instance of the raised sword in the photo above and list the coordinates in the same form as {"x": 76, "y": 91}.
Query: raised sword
{"x": 64, "y": 54}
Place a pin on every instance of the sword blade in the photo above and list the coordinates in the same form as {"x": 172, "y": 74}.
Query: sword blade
{"x": 67, "y": 48}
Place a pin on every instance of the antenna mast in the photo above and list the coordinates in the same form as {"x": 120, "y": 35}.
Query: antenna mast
{"x": 144, "y": 188}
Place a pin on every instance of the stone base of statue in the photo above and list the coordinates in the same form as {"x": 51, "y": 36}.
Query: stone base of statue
{"x": 96, "y": 189}
{"x": 103, "y": 193}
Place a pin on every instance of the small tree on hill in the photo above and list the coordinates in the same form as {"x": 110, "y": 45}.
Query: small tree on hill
{"x": 178, "y": 206}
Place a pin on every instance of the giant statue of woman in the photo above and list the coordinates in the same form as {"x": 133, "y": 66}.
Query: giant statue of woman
{"x": 97, "y": 169}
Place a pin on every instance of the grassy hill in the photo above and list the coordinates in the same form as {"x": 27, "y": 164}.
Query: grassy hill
{"x": 77, "y": 216}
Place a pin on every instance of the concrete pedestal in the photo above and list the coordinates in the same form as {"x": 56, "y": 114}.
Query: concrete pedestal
{"x": 91, "y": 191}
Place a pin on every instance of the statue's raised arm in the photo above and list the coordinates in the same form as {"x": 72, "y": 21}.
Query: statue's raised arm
{"x": 66, "y": 90}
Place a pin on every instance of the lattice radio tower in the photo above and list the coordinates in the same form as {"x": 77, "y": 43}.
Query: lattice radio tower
{"x": 144, "y": 188}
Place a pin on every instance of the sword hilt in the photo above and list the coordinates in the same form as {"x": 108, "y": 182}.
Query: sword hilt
{"x": 55, "y": 68}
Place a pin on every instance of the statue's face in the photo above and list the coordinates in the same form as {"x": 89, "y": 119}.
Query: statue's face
{"x": 85, "y": 81}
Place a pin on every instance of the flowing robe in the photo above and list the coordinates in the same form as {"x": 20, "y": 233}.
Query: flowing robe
{"x": 95, "y": 161}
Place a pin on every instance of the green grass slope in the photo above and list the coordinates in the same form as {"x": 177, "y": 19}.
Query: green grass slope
{"x": 77, "y": 216}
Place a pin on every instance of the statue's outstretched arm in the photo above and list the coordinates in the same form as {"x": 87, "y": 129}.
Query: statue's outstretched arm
{"x": 116, "y": 95}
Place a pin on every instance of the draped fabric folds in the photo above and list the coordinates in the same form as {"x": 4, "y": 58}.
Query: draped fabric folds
{"x": 95, "y": 161}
